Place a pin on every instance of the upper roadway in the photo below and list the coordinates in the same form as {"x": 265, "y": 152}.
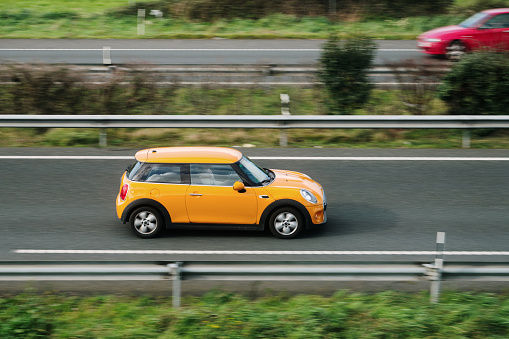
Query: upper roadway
{"x": 186, "y": 52}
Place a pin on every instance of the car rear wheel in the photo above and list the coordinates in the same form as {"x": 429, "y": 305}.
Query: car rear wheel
{"x": 286, "y": 223}
{"x": 456, "y": 50}
{"x": 146, "y": 222}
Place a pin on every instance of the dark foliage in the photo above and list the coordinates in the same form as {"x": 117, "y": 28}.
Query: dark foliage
{"x": 42, "y": 89}
{"x": 344, "y": 66}
{"x": 210, "y": 10}
{"x": 478, "y": 84}
{"x": 417, "y": 83}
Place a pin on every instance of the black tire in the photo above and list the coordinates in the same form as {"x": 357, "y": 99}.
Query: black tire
{"x": 146, "y": 222}
{"x": 286, "y": 223}
{"x": 456, "y": 50}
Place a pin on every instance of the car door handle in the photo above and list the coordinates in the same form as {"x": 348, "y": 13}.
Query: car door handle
{"x": 196, "y": 194}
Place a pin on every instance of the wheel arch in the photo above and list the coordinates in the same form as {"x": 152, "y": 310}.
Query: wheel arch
{"x": 464, "y": 42}
{"x": 283, "y": 203}
{"x": 126, "y": 214}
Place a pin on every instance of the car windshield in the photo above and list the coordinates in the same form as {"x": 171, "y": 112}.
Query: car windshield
{"x": 252, "y": 171}
{"x": 474, "y": 20}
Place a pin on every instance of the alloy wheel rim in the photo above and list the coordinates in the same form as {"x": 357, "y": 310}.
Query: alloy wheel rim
{"x": 286, "y": 223}
{"x": 145, "y": 222}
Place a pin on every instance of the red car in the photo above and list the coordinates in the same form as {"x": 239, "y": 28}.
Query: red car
{"x": 486, "y": 29}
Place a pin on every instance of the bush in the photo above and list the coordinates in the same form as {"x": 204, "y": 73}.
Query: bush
{"x": 473, "y": 6}
{"x": 344, "y": 65}
{"x": 44, "y": 90}
{"x": 212, "y": 10}
{"x": 417, "y": 83}
{"x": 478, "y": 84}
{"x": 25, "y": 317}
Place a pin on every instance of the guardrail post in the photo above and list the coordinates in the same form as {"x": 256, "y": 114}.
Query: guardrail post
{"x": 285, "y": 110}
{"x": 435, "y": 271}
{"x": 103, "y": 138}
{"x": 106, "y": 55}
{"x": 466, "y": 139}
{"x": 177, "y": 283}
{"x": 141, "y": 22}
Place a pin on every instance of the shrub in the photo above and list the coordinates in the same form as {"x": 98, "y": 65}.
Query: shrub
{"x": 26, "y": 316}
{"x": 477, "y": 84}
{"x": 473, "y": 6}
{"x": 212, "y": 10}
{"x": 45, "y": 90}
{"x": 131, "y": 9}
{"x": 417, "y": 83}
{"x": 344, "y": 65}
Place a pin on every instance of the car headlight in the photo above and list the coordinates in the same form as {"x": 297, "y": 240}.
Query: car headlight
{"x": 432, "y": 40}
{"x": 308, "y": 196}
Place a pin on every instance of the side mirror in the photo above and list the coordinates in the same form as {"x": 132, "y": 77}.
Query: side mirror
{"x": 239, "y": 186}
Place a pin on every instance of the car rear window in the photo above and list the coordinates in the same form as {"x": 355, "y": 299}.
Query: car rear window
{"x": 133, "y": 169}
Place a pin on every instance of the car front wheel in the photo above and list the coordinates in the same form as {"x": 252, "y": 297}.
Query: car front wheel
{"x": 146, "y": 222}
{"x": 455, "y": 50}
{"x": 286, "y": 223}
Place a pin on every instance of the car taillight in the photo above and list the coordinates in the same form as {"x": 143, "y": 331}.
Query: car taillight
{"x": 123, "y": 192}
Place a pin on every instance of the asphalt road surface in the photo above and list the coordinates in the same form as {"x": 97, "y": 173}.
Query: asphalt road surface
{"x": 185, "y": 52}
{"x": 379, "y": 200}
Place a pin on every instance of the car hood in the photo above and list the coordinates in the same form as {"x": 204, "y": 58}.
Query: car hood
{"x": 444, "y": 31}
{"x": 290, "y": 179}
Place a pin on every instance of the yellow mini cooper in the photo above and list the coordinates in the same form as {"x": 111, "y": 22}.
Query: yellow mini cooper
{"x": 215, "y": 188}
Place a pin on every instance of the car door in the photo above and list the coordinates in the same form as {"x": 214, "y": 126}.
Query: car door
{"x": 167, "y": 184}
{"x": 494, "y": 33}
{"x": 211, "y": 198}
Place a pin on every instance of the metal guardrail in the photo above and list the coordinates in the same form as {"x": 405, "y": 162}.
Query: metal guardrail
{"x": 179, "y": 272}
{"x": 257, "y": 121}
{"x": 261, "y": 69}
{"x": 234, "y": 74}
{"x": 283, "y": 121}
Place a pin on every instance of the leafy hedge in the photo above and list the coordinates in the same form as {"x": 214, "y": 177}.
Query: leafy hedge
{"x": 210, "y": 10}
{"x": 478, "y": 84}
{"x": 344, "y": 72}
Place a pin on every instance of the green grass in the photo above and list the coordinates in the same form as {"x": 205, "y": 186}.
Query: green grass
{"x": 39, "y": 19}
{"x": 82, "y": 7}
{"x": 34, "y": 26}
{"x": 226, "y": 315}
{"x": 238, "y": 101}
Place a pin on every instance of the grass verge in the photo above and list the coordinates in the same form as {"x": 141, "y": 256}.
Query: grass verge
{"x": 226, "y": 315}
{"x": 80, "y": 19}
{"x": 239, "y": 101}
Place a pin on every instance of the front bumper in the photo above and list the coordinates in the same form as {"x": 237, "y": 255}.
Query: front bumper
{"x": 428, "y": 47}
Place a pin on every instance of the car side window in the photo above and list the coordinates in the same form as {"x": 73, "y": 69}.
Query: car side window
{"x": 158, "y": 173}
{"x": 499, "y": 21}
{"x": 213, "y": 175}
{"x": 164, "y": 173}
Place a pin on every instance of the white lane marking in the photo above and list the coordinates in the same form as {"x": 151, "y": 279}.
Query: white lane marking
{"x": 383, "y": 158}
{"x": 168, "y": 49}
{"x": 196, "y": 49}
{"x": 32, "y": 251}
{"x": 65, "y": 157}
{"x": 121, "y": 157}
